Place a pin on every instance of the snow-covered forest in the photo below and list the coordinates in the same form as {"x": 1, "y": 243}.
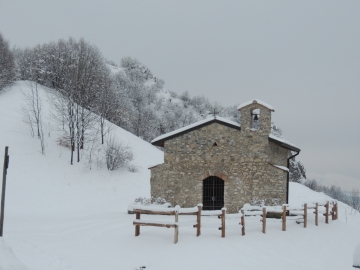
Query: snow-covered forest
{"x": 128, "y": 95}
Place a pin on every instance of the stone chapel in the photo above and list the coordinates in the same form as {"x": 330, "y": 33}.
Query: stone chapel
{"x": 220, "y": 163}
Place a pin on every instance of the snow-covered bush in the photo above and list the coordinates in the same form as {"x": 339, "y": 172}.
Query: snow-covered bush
{"x": 117, "y": 155}
{"x": 147, "y": 201}
{"x": 257, "y": 202}
{"x": 312, "y": 184}
{"x": 159, "y": 201}
{"x": 64, "y": 141}
{"x": 142, "y": 201}
{"x": 262, "y": 202}
{"x": 133, "y": 168}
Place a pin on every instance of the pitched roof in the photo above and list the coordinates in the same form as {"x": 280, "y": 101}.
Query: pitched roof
{"x": 283, "y": 143}
{"x": 159, "y": 141}
{"x": 256, "y": 101}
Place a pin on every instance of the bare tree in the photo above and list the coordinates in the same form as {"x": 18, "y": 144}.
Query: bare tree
{"x": 107, "y": 102}
{"x": 31, "y": 112}
{"x": 64, "y": 112}
{"x": 79, "y": 82}
{"x": 32, "y": 107}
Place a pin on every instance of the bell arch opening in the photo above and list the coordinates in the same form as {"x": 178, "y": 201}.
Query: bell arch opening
{"x": 255, "y": 119}
{"x": 213, "y": 193}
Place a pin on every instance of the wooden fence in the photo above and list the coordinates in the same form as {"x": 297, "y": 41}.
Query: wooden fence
{"x": 285, "y": 213}
{"x": 175, "y": 211}
{"x": 297, "y": 213}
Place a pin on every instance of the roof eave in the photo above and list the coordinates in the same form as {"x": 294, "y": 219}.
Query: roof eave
{"x": 161, "y": 142}
{"x": 257, "y": 102}
{"x": 285, "y": 145}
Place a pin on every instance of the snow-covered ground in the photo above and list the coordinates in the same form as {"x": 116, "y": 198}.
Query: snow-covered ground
{"x": 60, "y": 216}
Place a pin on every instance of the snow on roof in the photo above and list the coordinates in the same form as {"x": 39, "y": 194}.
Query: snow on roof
{"x": 155, "y": 165}
{"x": 271, "y": 136}
{"x": 357, "y": 256}
{"x": 281, "y": 167}
{"x": 254, "y": 102}
{"x": 204, "y": 121}
{"x": 219, "y": 119}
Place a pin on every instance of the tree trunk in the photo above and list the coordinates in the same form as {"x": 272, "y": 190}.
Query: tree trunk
{"x": 102, "y": 129}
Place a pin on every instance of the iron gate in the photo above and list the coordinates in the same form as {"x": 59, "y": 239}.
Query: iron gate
{"x": 213, "y": 193}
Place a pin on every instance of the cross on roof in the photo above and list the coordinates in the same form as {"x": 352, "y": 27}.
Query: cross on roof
{"x": 214, "y": 113}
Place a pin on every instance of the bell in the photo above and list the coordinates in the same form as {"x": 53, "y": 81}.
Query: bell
{"x": 256, "y": 117}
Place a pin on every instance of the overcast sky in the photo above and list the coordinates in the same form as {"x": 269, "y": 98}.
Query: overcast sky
{"x": 301, "y": 57}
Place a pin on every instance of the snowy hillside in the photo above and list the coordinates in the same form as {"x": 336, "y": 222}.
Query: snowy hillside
{"x": 72, "y": 185}
{"x": 61, "y": 217}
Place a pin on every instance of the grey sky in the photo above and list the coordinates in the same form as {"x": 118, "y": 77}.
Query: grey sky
{"x": 302, "y": 57}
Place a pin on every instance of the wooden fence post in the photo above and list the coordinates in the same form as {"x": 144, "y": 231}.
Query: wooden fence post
{"x": 283, "y": 216}
{"x": 198, "y": 220}
{"x": 137, "y": 227}
{"x": 333, "y": 211}
{"x": 176, "y": 228}
{"x": 2, "y": 204}
{"x": 337, "y": 213}
{"x": 223, "y": 213}
{"x": 317, "y": 214}
{"x": 305, "y": 215}
{"x": 327, "y": 212}
{"x": 243, "y": 222}
{"x": 264, "y": 220}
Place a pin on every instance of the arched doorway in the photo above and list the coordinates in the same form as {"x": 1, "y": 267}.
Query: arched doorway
{"x": 213, "y": 193}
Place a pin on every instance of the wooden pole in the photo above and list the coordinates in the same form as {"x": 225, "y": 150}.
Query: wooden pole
{"x": 284, "y": 218}
{"x": 334, "y": 211}
{"x": 264, "y": 220}
{"x": 6, "y": 166}
{"x": 317, "y": 214}
{"x": 176, "y": 228}
{"x": 137, "y": 227}
{"x": 327, "y": 213}
{"x": 305, "y": 215}
{"x": 198, "y": 221}
{"x": 223, "y": 212}
{"x": 243, "y": 222}
{"x": 337, "y": 213}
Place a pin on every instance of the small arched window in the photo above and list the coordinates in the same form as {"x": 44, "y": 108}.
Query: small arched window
{"x": 213, "y": 145}
{"x": 255, "y": 119}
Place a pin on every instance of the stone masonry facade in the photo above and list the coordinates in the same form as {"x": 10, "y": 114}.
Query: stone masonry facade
{"x": 243, "y": 157}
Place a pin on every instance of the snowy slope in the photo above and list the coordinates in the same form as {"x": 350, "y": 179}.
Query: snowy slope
{"x": 60, "y": 216}
{"x": 69, "y": 188}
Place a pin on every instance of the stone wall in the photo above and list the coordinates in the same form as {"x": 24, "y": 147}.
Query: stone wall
{"x": 241, "y": 158}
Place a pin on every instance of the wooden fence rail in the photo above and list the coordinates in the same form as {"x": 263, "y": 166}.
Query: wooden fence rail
{"x": 287, "y": 212}
{"x": 176, "y": 211}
